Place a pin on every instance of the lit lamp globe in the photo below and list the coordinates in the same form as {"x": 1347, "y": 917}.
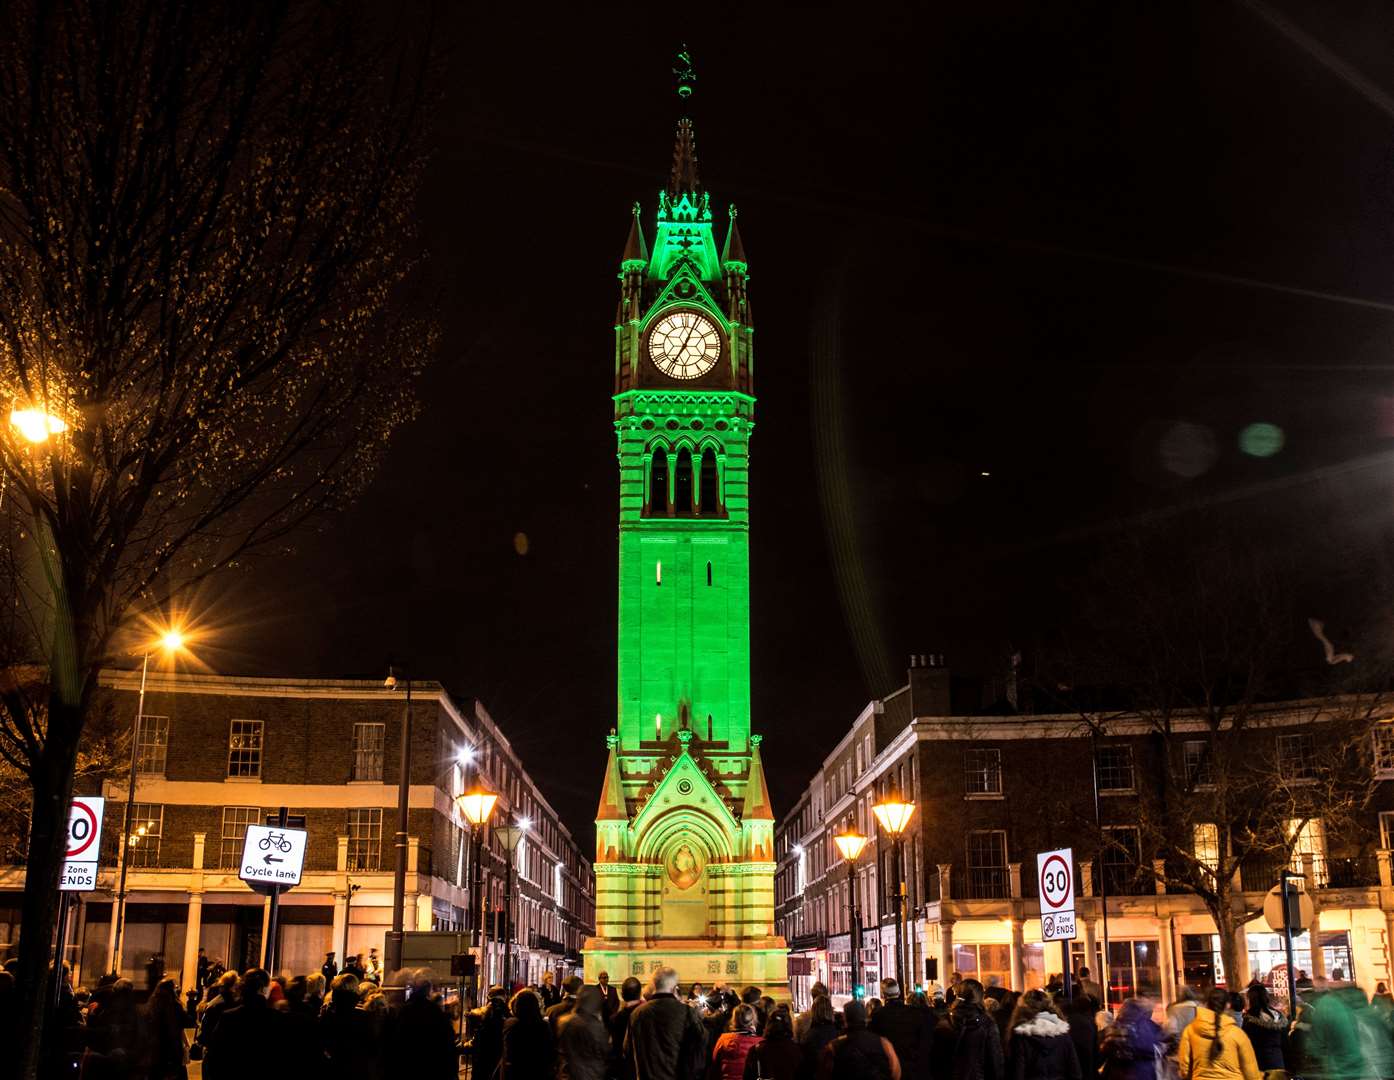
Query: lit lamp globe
{"x": 476, "y": 804}
{"x": 850, "y": 844}
{"x": 894, "y": 814}
{"x": 510, "y": 836}
{"x": 35, "y": 425}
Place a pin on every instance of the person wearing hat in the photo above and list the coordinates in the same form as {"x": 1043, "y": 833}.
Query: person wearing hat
{"x": 487, "y": 1046}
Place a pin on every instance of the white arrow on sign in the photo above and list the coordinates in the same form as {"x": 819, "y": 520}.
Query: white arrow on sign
{"x": 272, "y": 855}
{"x": 84, "y": 844}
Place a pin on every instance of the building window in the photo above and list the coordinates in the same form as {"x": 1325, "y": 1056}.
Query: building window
{"x": 152, "y": 744}
{"x": 987, "y": 864}
{"x": 235, "y": 822}
{"x": 708, "y": 493}
{"x": 368, "y": 743}
{"x": 1114, "y": 765}
{"x": 244, "y": 749}
{"x": 364, "y": 838}
{"x": 1309, "y": 838}
{"x": 982, "y": 772}
{"x": 682, "y": 483}
{"x": 1133, "y": 970}
{"x": 1383, "y": 737}
{"x": 1297, "y": 758}
{"x": 147, "y": 824}
{"x": 1386, "y": 829}
{"x": 1120, "y": 859}
{"x": 1200, "y": 771}
{"x": 1206, "y": 846}
{"x": 658, "y": 483}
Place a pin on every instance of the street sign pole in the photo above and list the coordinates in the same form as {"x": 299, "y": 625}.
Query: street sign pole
{"x": 274, "y": 916}
{"x": 58, "y": 948}
{"x": 1287, "y": 942}
{"x": 273, "y": 857}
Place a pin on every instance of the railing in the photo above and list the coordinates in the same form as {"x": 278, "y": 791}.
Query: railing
{"x": 981, "y": 883}
{"x": 1351, "y": 873}
{"x": 1260, "y": 875}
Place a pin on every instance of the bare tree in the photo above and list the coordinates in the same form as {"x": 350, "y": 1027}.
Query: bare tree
{"x": 1192, "y": 640}
{"x": 205, "y": 245}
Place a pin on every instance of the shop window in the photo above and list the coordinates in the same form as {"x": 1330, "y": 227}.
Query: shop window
{"x": 1133, "y": 970}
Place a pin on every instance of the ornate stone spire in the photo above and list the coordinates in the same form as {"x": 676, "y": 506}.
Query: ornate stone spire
{"x": 612, "y": 804}
{"x": 635, "y": 250}
{"x": 757, "y": 792}
{"x": 733, "y": 250}
{"x": 684, "y": 179}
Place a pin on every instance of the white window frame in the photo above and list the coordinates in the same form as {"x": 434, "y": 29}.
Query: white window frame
{"x": 989, "y": 773}
{"x": 1200, "y": 772}
{"x": 1285, "y": 746}
{"x": 364, "y": 828}
{"x": 152, "y": 745}
{"x": 1310, "y": 839}
{"x": 1382, "y": 750}
{"x": 245, "y": 744}
{"x": 1386, "y": 829}
{"x": 1205, "y": 845}
{"x": 369, "y": 746}
{"x": 1109, "y": 788}
{"x": 234, "y": 833}
{"x": 146, "y": 851}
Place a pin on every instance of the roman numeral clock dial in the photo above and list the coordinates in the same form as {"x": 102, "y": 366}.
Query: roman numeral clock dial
{"x": 684, "y": 345}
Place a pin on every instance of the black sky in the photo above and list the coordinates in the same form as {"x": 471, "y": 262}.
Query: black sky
{"x": 979, "y": 241}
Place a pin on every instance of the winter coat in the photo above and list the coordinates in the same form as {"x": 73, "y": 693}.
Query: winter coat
{"x": 1084, "y": 1032}
{"x": 248, "y": 1037}
{"x": 528, "y": 1049}
{"x": 910, "y": 1030}
{"x": 1266, "y": 1031}
{"x": 859, "y": 1055}
{"x": 583, "y": 1047}
{"x": 774, "y": 1059}
{"x": 423, "y": 1041}
{"x": 977, "y": 1053}
{"x": 618, "y": 1026}
{"x": 816, "y": 1037}
{"x": 1235, "y": 1060}
{"x": 664, "y": 1039}
{"x": 349, "y": 1038}
{"x": 729, "y": 1054}
{"x": 1130, "y": 1048}
{"x": 1042, "y": 1049}
{"x": 486, "y": 1047}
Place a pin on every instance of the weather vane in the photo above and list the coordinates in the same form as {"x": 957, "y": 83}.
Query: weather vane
{"x": 683, "y": 73}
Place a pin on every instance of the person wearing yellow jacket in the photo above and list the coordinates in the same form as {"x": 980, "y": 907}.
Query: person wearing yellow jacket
{"x": 1213, "y": 1047}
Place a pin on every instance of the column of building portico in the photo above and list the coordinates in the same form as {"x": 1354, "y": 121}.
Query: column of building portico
{"x": 1098, "y": 972}
{"x": 1018, "y": 956}
{"x": 946, "y": 951}
{"x": 341, "y": 906}
{"x": 410, "y": 916}
{"x": 193, "y": 928}
{"x": 1166, "y": 956}
{"x": 1318, "y": 972}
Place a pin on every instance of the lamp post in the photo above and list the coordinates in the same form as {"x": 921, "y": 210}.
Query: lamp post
{"x": 510, "y": 836}
{"x": 850, "y": 844}
{"x": 171, "y": 642}
{"x": 894, "y": 813}
{"x": 476, "y": 805}
{"x": 399, "y": 874}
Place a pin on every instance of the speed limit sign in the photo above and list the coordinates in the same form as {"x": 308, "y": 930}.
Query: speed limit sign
{"x": 1055, "y": 872}
{"x": 84, "y": 845}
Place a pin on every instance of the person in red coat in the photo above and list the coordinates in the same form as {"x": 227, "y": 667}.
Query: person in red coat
{"x": 735, "y": 1044}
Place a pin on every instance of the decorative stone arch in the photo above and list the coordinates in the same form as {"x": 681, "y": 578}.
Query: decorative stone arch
{"x": 684, "y": 842}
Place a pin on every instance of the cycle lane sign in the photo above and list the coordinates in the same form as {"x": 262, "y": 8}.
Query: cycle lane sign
{"x": 272, "y": 856}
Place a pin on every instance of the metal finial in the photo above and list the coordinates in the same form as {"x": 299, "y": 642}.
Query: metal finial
{"x": 683, "y": 73}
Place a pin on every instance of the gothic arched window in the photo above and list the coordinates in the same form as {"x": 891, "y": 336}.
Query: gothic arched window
{"x": 658, "y": 483}
{"x": 682, "y": 487}
{"x": 711, "y": 500}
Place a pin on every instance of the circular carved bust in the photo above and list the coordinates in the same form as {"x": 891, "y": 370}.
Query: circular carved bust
{"x": 684, "y": 867}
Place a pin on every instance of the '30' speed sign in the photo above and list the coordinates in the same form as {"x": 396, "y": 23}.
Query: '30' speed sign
{"x": 1055, "y": 870}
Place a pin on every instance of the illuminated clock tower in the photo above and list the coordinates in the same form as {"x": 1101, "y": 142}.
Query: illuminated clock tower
{"x": 684, "y": 833}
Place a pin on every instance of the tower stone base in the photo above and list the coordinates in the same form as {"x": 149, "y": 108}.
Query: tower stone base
{"x": 762, "y": 963}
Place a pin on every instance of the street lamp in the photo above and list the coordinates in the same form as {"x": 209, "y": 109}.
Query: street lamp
{"x": 894, "y": 813}
{"x": 171, "y": 642}
{"x": 850, "y": 844}
{"x": 510, "y": 836}
{"x": 36, "y": 425}
{"x": 399, "y": 874}
{"x": 476, "y": 805}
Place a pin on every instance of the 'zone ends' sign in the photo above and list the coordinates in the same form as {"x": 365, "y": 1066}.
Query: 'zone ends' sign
{"x": 272, "y": 856}
{"x": 84, "y": 845}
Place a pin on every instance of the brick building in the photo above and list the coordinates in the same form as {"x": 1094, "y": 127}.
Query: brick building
{"x": 993, "y": 790}
{"x": 217, "y": 753}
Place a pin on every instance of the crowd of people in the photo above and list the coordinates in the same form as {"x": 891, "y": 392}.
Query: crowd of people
{"x": 346, "y": 1020}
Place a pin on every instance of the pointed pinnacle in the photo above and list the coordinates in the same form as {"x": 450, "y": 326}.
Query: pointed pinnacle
{"x": 684, "y": 179}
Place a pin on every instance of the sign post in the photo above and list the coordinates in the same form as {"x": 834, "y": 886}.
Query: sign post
{"x": 273, "y": 856}
{"x": 80, "y": 858}
{"x": 1055, "y": 873}
{"x": 1288, "y": 910}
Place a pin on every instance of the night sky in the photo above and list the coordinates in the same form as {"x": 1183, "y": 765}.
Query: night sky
{"x": 1008, "y": 242}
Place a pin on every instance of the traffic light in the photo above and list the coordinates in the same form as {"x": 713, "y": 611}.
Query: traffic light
{"x": 858, "y": 992}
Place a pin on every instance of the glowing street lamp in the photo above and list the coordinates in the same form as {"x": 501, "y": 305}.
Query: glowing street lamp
{"x": 35, "y": 425}
{"x": 850, "y": 844}
{"x": 894, "y": 813}
{"x": 510, "y": 836}
{"x": 476, "y": 805}
{"x": 170, "y": 643}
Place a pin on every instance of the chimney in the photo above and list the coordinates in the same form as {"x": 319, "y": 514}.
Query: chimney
{"x": 929, "y": 685}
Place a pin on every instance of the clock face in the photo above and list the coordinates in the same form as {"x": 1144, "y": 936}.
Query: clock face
{"x": 684, "y": 344}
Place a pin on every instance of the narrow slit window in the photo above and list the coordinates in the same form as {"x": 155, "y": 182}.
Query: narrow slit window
{"x": 708, "y": 496}
{"x": 658, "y": 483}
{"x": 682, "y": 483}
{"x": 658, "y": 572}
{"x": 709, "y": 574}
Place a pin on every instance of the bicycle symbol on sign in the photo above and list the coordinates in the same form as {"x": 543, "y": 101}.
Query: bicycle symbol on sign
{"x": 277, "y": 839}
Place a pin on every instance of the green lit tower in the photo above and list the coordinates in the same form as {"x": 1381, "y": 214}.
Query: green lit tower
{"x": 684, "y": 831}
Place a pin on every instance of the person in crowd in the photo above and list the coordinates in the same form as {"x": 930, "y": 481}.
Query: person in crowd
{"x": 421, "y": 1042}
{"x": 1130, "y": 1047}
{"x": 114, "y": 1034}
{"x": 734, "y": 1045}
{"x": 873, "y": 1006}
{"x": 569, "y": 989}
{"x": 1080, "y": 1012}
{"x": 977, "y": 1045}
{"x": 1182, "y": 1011}
{"x": 353, "y": 965}
{"x": 346, "y": 1032}
{"x": 249, "y": 1035}
{"x": 550, "y": 994}
{"x": 201, "y": 972}
{"x": 994, "y": 990}
{"x": 1214, "y": 1047}
{"x": 909, "y": 1030}
{"x": 618, "y": 1027}
{"x": 329, "y": 968}
{"x": 583, "y": 1045}
{"x": 777, "y": 1056}
{"x": 820, "y": 1030}
{"x": 609, "y": 998}
{"x": 858, "y": 1054}
{"x": 1092, "y": 988}
{"x": 372, "y": 971}
{"x": 1373, "y": 1035}
{"x": 528, "y": 1047}
{"x": 486, "y": 1048}
{"x": 1002, "y": 1011}
{"x": 1040, "y": 1046}
{"x": 304, "y": 999}
{"x": 665, "y": 1038}
{"x": 804, "y": 1018}
{"x": 1265, "y": 1026}
{"x": 695, "y": 994}
{"x": 222, "y": 996}
{"x": 166, "y": 1052}
{"x": 154, "y": 971}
